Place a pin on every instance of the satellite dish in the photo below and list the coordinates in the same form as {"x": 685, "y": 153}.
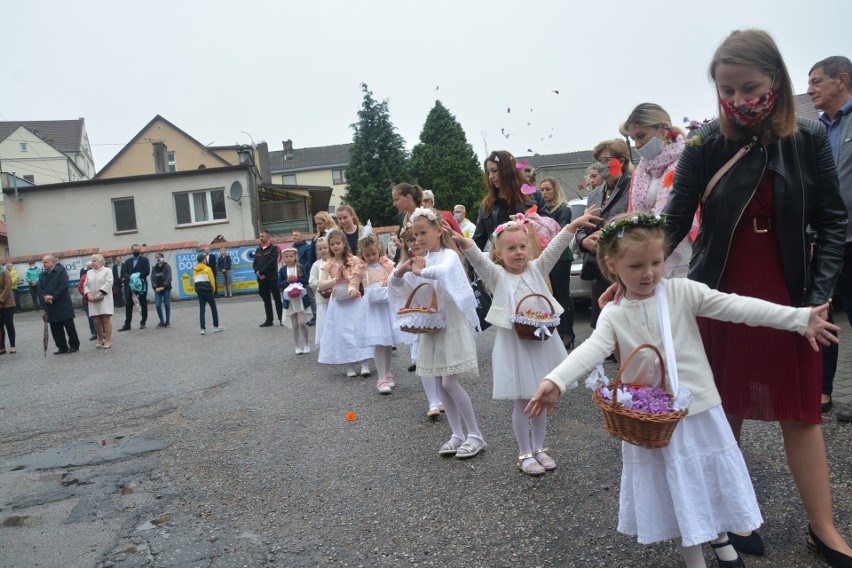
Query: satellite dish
{"x": 236, "y": 191}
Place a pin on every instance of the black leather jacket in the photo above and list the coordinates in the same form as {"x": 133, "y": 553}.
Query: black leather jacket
{"x": 487, "y": 222}
{"x": 806, "y": 194}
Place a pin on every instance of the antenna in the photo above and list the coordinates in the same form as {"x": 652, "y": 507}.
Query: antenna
{"x": 236, "y": 191}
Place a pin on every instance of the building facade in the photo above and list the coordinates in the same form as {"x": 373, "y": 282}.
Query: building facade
{"x": 321, "y": 166}
{"x": 46, "y": 151}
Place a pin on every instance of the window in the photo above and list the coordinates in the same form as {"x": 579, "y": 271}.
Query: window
{"x": 288, "y": 179}
{"x": 170, "y": 158}
{"x": 125, "y": 214}
{"x": 200, "y": 206}
{"x": 23, "y": 146}
{"x": 338, "y": 176}
{"x": 29, "y": 178}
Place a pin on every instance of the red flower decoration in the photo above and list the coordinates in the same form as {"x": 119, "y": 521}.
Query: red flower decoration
{"x": 672, "y": 134}
{"x": 531, "y": 210}
{"x": 614, "y": 167}
{"x": 668, "y": 179}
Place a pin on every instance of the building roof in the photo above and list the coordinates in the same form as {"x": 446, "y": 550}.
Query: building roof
{"x": 582, "y": 157}
{"x": 64, "y": 135}
{"x": 318, "y": 157}
{"x": 805, "y": 107}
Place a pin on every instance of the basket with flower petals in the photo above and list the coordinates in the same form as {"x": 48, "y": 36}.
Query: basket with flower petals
{"x": 639, "y": 414}
{"x": 420, "y": 319}
{"x": 535, "y": 325}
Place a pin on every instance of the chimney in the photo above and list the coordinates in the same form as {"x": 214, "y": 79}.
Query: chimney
{"x": 288, "y": 149}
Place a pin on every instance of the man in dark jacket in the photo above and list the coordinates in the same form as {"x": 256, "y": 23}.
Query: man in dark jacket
{"x": 118, "y": 296}
{"x": 266, "y": 270}
{"x": 137, "y": 264}
{"x": 213, "y": 263}
{"x": 53, "y": 293}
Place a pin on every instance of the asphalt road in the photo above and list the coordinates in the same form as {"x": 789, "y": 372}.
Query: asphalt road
{"x": 174, "y": 449}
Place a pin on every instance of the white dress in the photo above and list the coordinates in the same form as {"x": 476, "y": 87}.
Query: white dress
{"x": 98, "y": 280}
{"x": 520, "y": 365}
{"x": 321, "y": 303}
{"x": 294, "y": 305}
{"x": 340, "y": 343}
{"x": 377, "y": 320}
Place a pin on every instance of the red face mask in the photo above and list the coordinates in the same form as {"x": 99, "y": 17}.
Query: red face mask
{"x": 752, "y": 112}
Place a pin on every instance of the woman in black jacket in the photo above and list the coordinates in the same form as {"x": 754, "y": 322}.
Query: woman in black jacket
{"x": 557, "y": 208}
{"x": 780, "y": 179}
{"x": 504, "y": 198}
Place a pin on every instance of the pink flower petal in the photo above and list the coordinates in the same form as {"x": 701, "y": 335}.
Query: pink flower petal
{"x": 528, "y": 189}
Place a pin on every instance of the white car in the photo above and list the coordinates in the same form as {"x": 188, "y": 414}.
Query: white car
{"x": 580, "y": 289}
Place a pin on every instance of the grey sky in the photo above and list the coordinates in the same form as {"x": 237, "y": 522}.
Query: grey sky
{"x": 291, "y": 69}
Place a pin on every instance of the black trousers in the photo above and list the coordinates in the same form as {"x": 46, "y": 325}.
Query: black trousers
{"x": 35, "y": 298}
{"x": 560, "y": 281}
{"x": 128, "y": 306}
{"x": 59, "y": 329}
{"x": 268, "y": 290}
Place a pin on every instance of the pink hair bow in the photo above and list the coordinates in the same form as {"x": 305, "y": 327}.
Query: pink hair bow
{"x": 521, "y": 165}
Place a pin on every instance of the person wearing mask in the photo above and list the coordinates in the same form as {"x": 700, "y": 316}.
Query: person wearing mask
{"x": 460, "y": 215}
{"x": 135, "y": 272}
{"x": 117, "y": 281}
{"x": 161, "y": 283}
{"x": 54, "y": 294}
{"x": 266, "y": 270}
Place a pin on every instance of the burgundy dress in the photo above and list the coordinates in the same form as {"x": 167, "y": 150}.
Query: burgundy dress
{"x": 761, "y": 373}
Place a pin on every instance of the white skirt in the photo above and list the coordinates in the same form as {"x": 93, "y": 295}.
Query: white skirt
{"x": 377, "y": 322}
{"x": 340, "y": 343}
{"x": 448, "y": 351}
{"x": 322, "y": 308}
{"x": 695, "y": 488}
{"x": 519, "y": 366}
{"x": 295, "y": 306}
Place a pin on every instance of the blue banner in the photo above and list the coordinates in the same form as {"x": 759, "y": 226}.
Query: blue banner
{"x": 243, "y": 278}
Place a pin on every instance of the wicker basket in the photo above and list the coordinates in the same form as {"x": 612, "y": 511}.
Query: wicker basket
{"x": 424, "y": 317}
{"x": 528, "y": 331}
{"x": 642, "y": 429}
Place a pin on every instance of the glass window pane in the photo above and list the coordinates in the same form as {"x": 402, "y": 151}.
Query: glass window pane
{"x": 288, "y": 179}
{"x": 218, "y": 199}
{"x": 125, "y": 214}
{"x": 182, "y": 209}
{"x": 199, "y": 205}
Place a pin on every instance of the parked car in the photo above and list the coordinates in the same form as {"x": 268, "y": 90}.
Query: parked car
{"x": 580, "y": 289}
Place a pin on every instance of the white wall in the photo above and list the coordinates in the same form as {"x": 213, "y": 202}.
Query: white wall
{"x": 41, "y": 160}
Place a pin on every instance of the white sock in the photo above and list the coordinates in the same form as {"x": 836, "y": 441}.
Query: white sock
{"x": 727, "y": 553}
{"x": 382, "y": 355}
{"x": 521, "y": 426}
{"x": 692, "y": 555}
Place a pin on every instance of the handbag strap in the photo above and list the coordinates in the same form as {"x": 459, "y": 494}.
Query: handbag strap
{"x": 724, "y": 169}
{"x": 668, "y": 342}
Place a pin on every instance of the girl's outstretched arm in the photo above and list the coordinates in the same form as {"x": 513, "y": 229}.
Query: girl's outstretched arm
{"x": 588, "y": 220}
{"x": 544, "y": 399}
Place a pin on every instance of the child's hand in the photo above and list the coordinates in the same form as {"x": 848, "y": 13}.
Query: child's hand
{"x": 588, "y": 219}
{"x": 460, "y": 241}
{"x": 402, "y": 268}
{"x": 819, "y": 328}
{"x": 544, "y": 399}
{"x": 611, "y": 294}
{"x": 417, "y": 265}
{"x": 291, "y": 279}
{"x": 354, "y": 293}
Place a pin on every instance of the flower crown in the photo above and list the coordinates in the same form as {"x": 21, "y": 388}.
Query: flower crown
{"x": 424, "y": 212}
{"x": 616, "y": 230}
{"x": 519, "y": 221}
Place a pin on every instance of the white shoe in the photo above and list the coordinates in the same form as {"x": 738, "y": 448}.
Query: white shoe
{"x": 298, "y": 351}
{"x": 220, "y": 328}
{"x": 350, "y": 372}
{"x": 391, "y": 382}
{"x": 306, "y": 349}
{"x": 365, "y": 370}
{"x": 203, "y": 332}
{"x": 433, "y": 412}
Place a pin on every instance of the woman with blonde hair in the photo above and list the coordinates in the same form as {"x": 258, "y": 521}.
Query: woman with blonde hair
{"x": 98, "y": 291}
{"x": 762, "y": 176}
{"x": 557, "y": 208}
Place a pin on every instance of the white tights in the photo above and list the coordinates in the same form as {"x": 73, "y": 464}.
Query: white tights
{"x": 458, "y": 407}
{"x": 382, "y": 356}
{"x": 300, "y": 330}
{"x": 523, "y": 425}
{"x": 430, "y": 387}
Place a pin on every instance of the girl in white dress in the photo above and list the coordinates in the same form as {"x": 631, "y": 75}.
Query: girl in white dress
{"x": 377, "y": 323}
{"x": 697, "y": 488}
{"x": 321, "y": 299}
{"x": 340, "y": 344}
{"x": 451, "y": 350}
{"x": 519, "y": 365}
{"x": 293, "y": 282}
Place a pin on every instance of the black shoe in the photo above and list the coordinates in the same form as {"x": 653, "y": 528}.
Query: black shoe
{"x": 834, "y": 558}
{"x": 312, "y": 323}
{"x": 266, "y": 324}
{"x": 738, "y": 563}
{"x": 92, "y": 338}
{"x": 161, "y": 324}
{"x": 72, "y": 350}
{"x": 412, "y": 368}
{"x": 60, "y": 352}
{"x": 826, "y": 406}
{"x": 845, "y": 415}
{"x": 142, "y": 325}
{"x": 125, "y": 327}
{"x": 751, "y": 544}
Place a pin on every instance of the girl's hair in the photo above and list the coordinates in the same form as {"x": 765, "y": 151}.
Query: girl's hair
{"x": 406, "y": 236}
{"x": 338, "y": 234}
{"x": 757, "y": 49}
{"x": 370, "y": 240}
{"x": 617, "y": 149}
{"x": 629, "y": 234}
{"x": 348, "y": 208}
{"x": 446, "y": 239}
{"x": 648, "y": 114}
{"x": 413, "y": 191}
{"x": 509, "y": 228}
{"x": 558, "y": 194}
{"x": 327, "y": 220}
{"x": 511, "y": 181}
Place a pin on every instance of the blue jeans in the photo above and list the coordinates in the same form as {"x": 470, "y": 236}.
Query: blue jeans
{"x": 91, "y": 321}
{"x": 206, "y": 297}
{"x": 161, "y": 298}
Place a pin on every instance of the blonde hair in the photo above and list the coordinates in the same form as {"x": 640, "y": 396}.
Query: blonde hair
{"x": 370, "y": 240}
{"x": 648, "y": 114}
{"x": 427, "y": 194}
{"x": 97, "y": 257}
{"x": 327, "y": 220}
{"x": 446, "y": 239}
{"x": 757, "y": 49}
{"x": 630, "y": 234}
{"x": 348, "y": 208}
{"x": 510, "y": 228}
{"x": 558, "y": 194}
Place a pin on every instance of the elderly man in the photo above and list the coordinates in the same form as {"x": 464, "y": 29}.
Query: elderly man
{"x": 460, "y": 215}
{"x": 54, "y": 295}
{"x": 830, "y": 88}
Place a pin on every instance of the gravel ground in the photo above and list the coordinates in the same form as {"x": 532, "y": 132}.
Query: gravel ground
{"x": 174, "y": 449}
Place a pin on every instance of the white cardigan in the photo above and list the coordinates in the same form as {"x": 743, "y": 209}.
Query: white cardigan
{"x": 313, "y": 281}
{"x": 634, "y": 322}
{"x": 504, "y": 284}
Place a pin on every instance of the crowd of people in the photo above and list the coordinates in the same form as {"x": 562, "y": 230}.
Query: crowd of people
{"x": 722, "y": 247}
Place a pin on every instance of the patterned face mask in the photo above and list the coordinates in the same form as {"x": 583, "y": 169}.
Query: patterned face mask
{"x": 752, "y": 112}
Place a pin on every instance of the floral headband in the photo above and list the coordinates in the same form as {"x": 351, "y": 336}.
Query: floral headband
{"x": 519, "y": 222}
{"x": 616, "y": 230}
{"x": 424, "y": 212}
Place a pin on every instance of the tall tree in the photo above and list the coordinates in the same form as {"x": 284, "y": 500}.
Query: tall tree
{"x": 445, "y": 162}
{"x": 377, "y": 161}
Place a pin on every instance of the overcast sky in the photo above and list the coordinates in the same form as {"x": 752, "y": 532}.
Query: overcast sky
{"x": 291, "y": 69}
